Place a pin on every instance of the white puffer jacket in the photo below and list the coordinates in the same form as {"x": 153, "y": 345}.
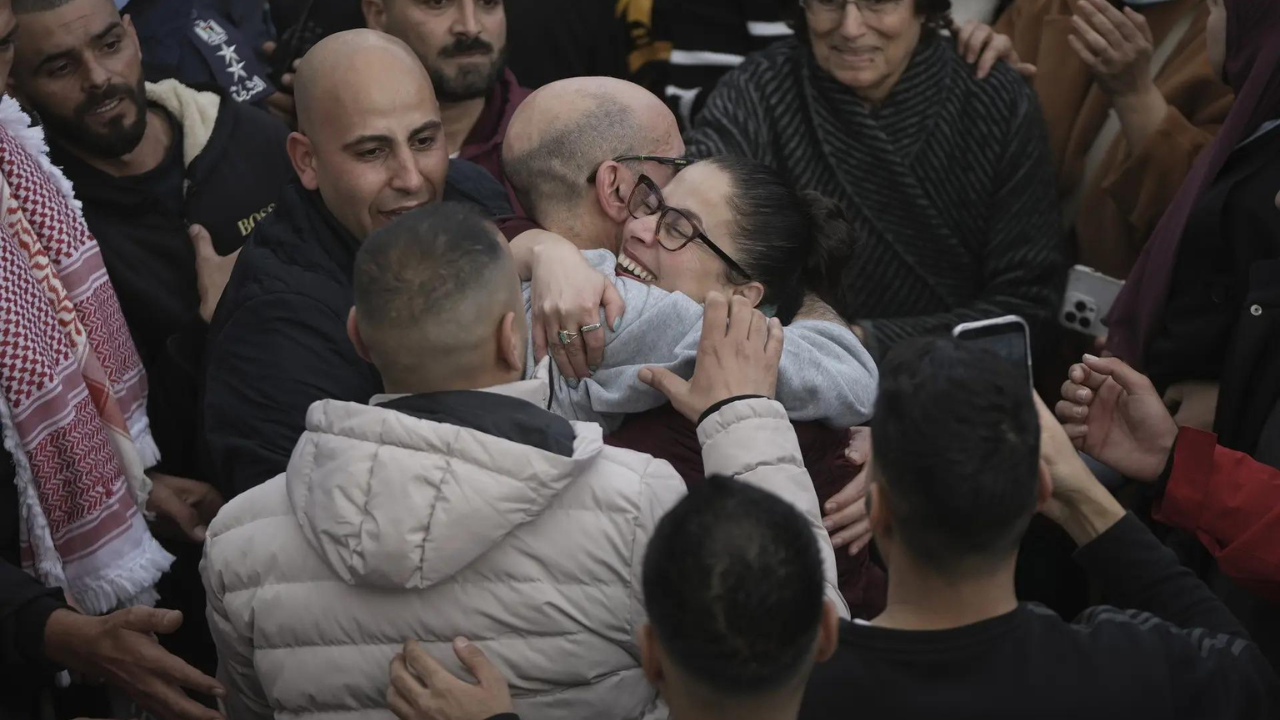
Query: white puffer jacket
{"x": 388, "y": 527}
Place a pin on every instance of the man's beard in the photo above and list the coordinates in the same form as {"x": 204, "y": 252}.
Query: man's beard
{"x": 470, "y": 81}
{"x": 120, "y": 136}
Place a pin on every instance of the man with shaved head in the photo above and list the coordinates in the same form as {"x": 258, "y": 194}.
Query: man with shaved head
{"x": 575, "y": 149}
{"x": 369, "y": 148}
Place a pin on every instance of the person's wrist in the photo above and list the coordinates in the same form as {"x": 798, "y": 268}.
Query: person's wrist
{"x": 1158, "y": 456}
{"x": 1087, "y": 511}
{"x": 1144, "y": 100}
{"x": 68, "y": 637}
{"x": 718, "y": 405}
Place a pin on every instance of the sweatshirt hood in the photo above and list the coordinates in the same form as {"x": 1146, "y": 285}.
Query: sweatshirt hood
{"x": 390, "y": 499}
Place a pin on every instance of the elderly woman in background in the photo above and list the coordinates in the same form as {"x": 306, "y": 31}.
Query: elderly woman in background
{"x": 947, "y": 179}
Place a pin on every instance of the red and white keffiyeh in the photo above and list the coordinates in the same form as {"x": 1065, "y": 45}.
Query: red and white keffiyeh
{"x": 73, "y": 388}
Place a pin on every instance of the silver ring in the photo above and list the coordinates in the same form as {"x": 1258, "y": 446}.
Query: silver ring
{"x": 590, "y": 328}
{"x": 566, "y": 337}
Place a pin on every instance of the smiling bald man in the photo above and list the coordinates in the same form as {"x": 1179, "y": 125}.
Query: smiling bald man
{"x": 366, "y": 151}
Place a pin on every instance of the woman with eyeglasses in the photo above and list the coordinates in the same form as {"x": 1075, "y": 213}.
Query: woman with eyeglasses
{"x": 733, "y": 226}
{"x": 946, "y": 178}
{"x": 728, "y": 225}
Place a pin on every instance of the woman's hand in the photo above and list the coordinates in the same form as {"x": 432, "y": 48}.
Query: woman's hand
{"x": 846, "y": 517}
{"x": 1117, "y": 46}
{"x": 567, "y": 295}
{"x": 980, "y": 44}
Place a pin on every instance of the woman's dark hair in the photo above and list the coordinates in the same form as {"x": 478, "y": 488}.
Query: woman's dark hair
{"x": 937, "y": 16}
{"x": 788, "y": 241}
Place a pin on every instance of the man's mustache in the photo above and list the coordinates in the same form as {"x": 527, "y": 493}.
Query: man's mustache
{"x": 107, "y": 94}
{"x": 467, "y": 46}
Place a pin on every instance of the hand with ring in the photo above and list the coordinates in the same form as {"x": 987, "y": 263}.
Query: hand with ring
{"x": 568, "y": 295}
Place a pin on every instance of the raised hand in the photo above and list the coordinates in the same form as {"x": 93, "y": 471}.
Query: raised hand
{"x": 1113, "y": 412}
{"x": 1117, "y": 46}
{"x": 738, "y": 354}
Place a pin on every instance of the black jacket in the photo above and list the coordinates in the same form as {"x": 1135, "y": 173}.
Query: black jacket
{"x": 1177, "y": 654}
{"x": 278, "y": 341}
{"x": 1234, "y": 227}
{"x": 25, "y": 607}
{"x": 141, "y": 226}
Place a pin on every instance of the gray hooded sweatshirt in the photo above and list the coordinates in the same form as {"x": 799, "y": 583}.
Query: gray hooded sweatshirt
{"x": 825, "y": 373}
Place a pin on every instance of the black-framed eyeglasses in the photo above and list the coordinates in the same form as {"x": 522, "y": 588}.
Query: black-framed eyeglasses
{"x": 831, "y": 9}
{"x": 675, "y": 228}
{"x": 675, "y": 162}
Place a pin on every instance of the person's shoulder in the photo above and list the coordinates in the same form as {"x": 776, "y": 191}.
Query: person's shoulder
{"x": 779, "y": 58}
{"x": 1003, "y": 97}
{"x": 469, "y": 183}
{"x": 639, "y": 472}
{"x": 246, "y": 512}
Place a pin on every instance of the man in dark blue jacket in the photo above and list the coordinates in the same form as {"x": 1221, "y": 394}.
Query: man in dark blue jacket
{"x": 366, "y": 152}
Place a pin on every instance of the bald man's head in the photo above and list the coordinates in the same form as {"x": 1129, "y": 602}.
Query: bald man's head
{"x": 570, "y": 130}
{"x": 370, "y": 137}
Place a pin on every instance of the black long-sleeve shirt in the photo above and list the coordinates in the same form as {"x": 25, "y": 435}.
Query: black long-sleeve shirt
{"x": 1178, "y": 653}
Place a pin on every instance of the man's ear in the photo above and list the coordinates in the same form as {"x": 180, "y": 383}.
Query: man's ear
{"x": 609, "y": 192}
{"x": 752, "y": 291}
{"x": 650, "y": 656}
{"x": 353, "y": 332}
{"x": 1044, "y": 489}
{"x": 511, "y": 343}
{"x": 132, "y": 32}
{"x": 303, "y": 159}
{"x": 828, "y": 632}
{"x": 375, "y": 14}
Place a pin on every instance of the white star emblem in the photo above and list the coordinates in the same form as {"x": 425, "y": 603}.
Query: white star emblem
{"x": 228, "y": 53}
{"x": 237, "y": 71}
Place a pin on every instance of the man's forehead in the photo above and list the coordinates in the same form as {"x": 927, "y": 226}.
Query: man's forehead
{"x": 394, "y": 109}
{"x": 68, "y": 26}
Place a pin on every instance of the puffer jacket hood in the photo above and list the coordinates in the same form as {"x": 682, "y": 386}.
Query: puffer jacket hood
{"x": 497, "y": 521}
{"x": 432, "y": 497}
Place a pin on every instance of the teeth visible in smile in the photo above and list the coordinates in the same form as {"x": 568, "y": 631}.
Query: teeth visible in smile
{"x": 634, "y": 268}
{"x": 107, "y": 106}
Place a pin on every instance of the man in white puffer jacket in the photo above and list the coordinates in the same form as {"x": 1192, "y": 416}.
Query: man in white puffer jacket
{"x": 458, "y": 505}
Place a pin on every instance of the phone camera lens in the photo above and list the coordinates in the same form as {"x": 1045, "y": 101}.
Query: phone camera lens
{"x": 1070, "y": 317}
{"x": 1085, "y": 323}
{"x": 1081, "y": 306}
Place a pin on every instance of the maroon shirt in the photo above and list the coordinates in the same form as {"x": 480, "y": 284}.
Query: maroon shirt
{"x": 483, "y": 145}
{"x": 667, "y": 435}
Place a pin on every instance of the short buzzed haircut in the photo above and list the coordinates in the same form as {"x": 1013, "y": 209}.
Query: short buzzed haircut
{"x": 427, "y": 282}
{"x": 733, "y": 586}
{"x": 957, "y": 452}
{"x": 552, "y": 175}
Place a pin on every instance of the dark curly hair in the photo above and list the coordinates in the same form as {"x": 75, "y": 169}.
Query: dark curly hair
{"x": 937, "y": 16}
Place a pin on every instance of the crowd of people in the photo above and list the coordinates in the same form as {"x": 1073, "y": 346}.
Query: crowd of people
{"x": 499, "y": 359}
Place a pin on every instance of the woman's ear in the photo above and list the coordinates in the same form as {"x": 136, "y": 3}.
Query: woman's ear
{"x": 752, "y": 291}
